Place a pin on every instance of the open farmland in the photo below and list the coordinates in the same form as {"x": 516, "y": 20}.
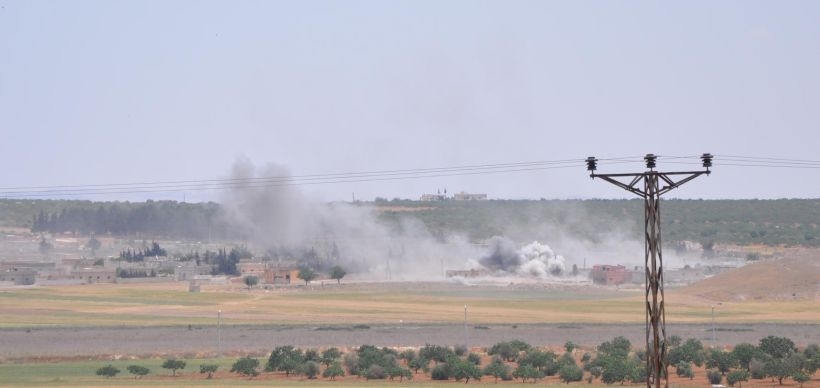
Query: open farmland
{"x": 153, "y": 319}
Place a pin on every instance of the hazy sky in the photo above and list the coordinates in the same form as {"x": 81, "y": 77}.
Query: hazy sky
{"x": 97, "y": 92}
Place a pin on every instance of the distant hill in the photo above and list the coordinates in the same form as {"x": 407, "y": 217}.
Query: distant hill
{"x": 795, "y": 276}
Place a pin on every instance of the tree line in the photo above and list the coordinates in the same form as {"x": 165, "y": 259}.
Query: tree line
{"x": 768, "y": 222}
{"x": 612, "y": 362}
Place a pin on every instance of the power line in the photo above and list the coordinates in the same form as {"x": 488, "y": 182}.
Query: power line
{"x": 296, "y": 180}
{"x": 380, "y": 175}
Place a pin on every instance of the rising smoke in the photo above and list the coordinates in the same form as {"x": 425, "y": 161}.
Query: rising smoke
{"x": 533, "y": 260}
{"x": 283, "y": 219}
{"x": 280, "y": 218}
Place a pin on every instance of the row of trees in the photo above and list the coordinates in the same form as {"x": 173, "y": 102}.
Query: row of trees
{"x": 770, "y": 222}
{"x": 151, "y": 218}
{"x": 613, "y": 362}
{"x": 773, "y": 357}
{"x": 139, "y": 255}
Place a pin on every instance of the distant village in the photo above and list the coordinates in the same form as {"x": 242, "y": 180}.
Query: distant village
{"x": 32, "y": 258}
{"x": 71, "y": 261}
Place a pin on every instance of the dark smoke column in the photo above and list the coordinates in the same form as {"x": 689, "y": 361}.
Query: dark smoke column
{"x": 651, "y": 193}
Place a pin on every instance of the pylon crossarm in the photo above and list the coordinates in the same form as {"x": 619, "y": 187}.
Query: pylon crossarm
{"x": 628, "y": 187}
{"x": 673, "y": 185}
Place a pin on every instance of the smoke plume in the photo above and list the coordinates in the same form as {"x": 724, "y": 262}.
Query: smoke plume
{"x": 533, "y": 260}
{"x": 283, "y": 220}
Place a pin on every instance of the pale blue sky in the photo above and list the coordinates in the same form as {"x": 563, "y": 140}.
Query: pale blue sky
{"x": 129, "y": 91}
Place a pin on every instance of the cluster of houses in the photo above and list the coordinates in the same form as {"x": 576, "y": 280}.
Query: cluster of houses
{"x": 66, "y": 271}
{"x": 462, "y": 196}
{"x": 89, "y": 271}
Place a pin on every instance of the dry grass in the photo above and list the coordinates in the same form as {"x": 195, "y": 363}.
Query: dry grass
{"x": 172, "y": 304}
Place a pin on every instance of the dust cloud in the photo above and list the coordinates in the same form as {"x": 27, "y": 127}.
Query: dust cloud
{"x": 279, "y": 219}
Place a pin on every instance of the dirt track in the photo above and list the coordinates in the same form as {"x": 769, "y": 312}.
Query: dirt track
{"x": 104, "y": 343}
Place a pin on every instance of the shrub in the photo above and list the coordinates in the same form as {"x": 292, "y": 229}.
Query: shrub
{"x": 757, "y": 368}
{"x": 460, "y": 350}
{"x": 570, "y": 373}
{"x": 526, "y": 372}
{"x": 333, "y": 370}
{"x": 108, "y": 371}
{"x": 138, "y": 370}
{"x": 312, "y": 355}
{"x": 310, "y": 369}
{"x": 736, "y": 376}
{"x": 440, "y": 372}
{"x": 498, "y": 369}
{"x": 209, "y": 369}
{"x": 684, "y": 369}
{"x": 474, "y": 358}
{"x": 246, "y": 366}
{"x": 419, "y": 363}
{"x": 714, "y": 377}
{"x": 375, "y": 372}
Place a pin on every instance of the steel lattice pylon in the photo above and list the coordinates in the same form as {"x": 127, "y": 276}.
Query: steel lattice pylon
{"x": 656, "y": 364}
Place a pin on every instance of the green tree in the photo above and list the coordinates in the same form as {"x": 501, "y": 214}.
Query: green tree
{"x": 307, "y": 274}
{"x": 675, "y": 341}
{"x": 498, "y": 369}
{"x": 720, "y": 360}
{"x": 435, "y": 353}
{"x": 570, "y": 373}
{"x": 684, "y": 369}
{"x": 284, "y": 359}
{"x": 737, "y": 376}
{"x": 246, "y": 366}
{"x": 777, "y": 347}
{"x": 743, "y": 353}
{"x": 138, "y": 370}
{"x": 543, "y": 361}
{"x": 463, "y": 369}
{"x": 174, "y": 365}
{"x": 569, "y": 346}
{"x": 618, "y": 347}
{"x": 419, "y": 363}
{"x": 526, "y": 372}
{"x": 330, "y": 355}
{"x": 312, "y": 355}
{"x": 714, "y": 377}
{"x": 251, "y": 281}
{"x": 337, "y": 273}
{"x": 402, "y": 373}
{"x": 800, "y": 377}
{"x": 333, "y": 370}
{"x": 108, "y": 371}
{"x": 505, "y": 350}
{"x": 779, "y": 369}
{"x": 210, "y": 369}
{"x": 615, "y": 370}
{"x": 689, "y": 351}
{"x": 310, "y": 369}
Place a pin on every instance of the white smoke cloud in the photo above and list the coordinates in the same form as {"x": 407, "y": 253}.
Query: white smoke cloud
{"x": 533, "y": 260}
{"x": 540, "y": 261}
